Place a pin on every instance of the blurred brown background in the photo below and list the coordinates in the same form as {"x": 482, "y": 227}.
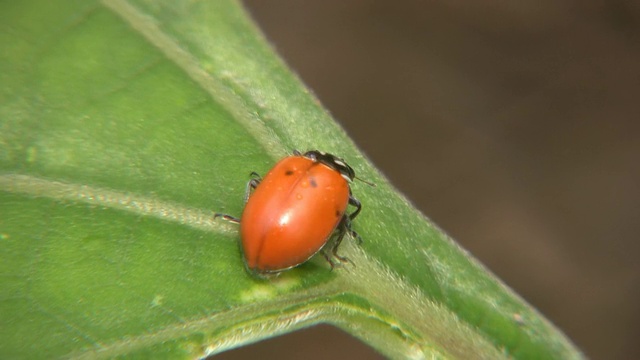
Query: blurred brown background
{"x": 513, "y": 125}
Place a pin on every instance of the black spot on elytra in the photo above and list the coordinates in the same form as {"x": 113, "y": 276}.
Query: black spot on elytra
{"x": 313, "y": 182}
{"x": 338, "y": 213}
{"x": 288, "y": 172}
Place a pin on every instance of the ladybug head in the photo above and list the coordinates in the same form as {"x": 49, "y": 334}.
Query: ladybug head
{"x": 333, "y": 162}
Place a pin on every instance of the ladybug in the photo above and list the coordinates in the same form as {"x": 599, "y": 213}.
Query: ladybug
{"x": 292, "y": 212}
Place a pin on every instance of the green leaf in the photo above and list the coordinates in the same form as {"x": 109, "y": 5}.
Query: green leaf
{"x": 124, "y": 126}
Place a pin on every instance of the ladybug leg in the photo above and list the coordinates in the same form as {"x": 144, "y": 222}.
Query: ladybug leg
{"x": 354, "y": 235}
{"x": 251, "y": 185}
{"x": 354, "y": 202}
{"x": 334, "y": 249}
{"x": 329, "y": 260}
{"x": 342, "y": 229}
{"x": 227, "y": 217}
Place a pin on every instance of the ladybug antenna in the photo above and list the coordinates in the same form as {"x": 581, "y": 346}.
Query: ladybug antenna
{"x": 365, "y": 181}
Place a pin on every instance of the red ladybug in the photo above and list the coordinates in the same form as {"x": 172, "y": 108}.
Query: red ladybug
{"x": 293, "y": 212}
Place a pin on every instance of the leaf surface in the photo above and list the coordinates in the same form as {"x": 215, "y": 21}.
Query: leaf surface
{"x": 124, "y": 126}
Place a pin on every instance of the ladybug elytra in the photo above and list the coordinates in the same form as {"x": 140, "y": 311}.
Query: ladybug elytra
{"x": 293, "y": 211}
